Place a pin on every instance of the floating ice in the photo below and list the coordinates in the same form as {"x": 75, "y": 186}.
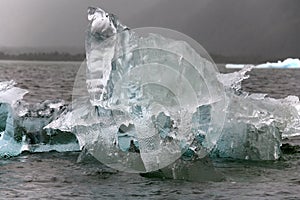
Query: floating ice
{"x": 9, "y": 97}
{"x": 147, "y": 100}
{"x": 255, "y": 124}
{"x": 289, "y": 63}
{"x": 156, "y": 86}
{"x": 10, "y": 94}
{"x": 143, "y": 94}
{"x": 21, "y": 124}
{"x": 129, "y": 124}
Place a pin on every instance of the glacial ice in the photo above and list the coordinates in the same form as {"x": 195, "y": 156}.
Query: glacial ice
{"x": 128, "y": 126}
{"x": 9, "y": 96}
{"x": 289, "y": 63}
{"x": 150, "y": 99}
{"x": 21, "y": 124}
{"x": 255, "y": 125}
{"x": 136, "y": 104}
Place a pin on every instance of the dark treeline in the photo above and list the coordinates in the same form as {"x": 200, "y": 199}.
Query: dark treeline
{"x": 52, "y": 56}
{"x": 56, "y": 56}
{"x": 244, "y": 59}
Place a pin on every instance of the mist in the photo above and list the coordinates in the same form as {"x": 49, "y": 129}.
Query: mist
{"x": 268, "y": 28}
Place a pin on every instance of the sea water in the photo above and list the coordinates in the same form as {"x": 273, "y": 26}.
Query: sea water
{"x": 59, "y": 176}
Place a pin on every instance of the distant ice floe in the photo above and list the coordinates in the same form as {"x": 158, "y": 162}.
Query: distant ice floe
{"x": 289, "y": 63}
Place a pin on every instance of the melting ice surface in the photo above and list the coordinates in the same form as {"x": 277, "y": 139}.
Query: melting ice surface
{"x": 145, "y": 98}
{"x": 21, "y": 124}
{"x": 151, "y": 100}
{"x": 9, "y": 95}
{"x": 289, "y": 63}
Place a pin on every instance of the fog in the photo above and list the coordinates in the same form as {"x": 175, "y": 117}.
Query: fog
{"x": 228, "y": 27}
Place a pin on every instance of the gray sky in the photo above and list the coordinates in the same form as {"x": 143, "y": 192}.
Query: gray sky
{"x": 228, "y": 27}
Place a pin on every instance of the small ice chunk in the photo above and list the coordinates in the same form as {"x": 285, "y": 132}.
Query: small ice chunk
{"x": 21, "y": 124}
{"x": 9, "y": 146}
{"x": 10, "y": 94}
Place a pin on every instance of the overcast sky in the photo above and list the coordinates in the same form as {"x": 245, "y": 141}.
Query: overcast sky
{"x": 228, "y": 27}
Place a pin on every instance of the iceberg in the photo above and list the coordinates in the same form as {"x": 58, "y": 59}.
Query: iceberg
{"x": 134, "y": 103}
{"x": 152, "y": 99}
{"x": 289, "y": 63}
{"x": 149, "y": 99}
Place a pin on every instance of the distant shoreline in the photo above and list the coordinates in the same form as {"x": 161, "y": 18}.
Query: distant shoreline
{"x": 65, "y": 57}
{"x": 41, "y": 61}
{"x": 53, "y": 56}
{"x": 245, "y": 59}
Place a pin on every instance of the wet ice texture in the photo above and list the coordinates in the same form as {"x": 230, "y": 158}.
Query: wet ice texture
{"x": 254, "y": 127}
{"x": 116, "y": 123}
{"x": 119, "y": 60}
{"x": 21, "y": 124}
{"x": 255, "y": 124}
{"x": 144, "y": 92}
{"x": 127, "y": 122}
{"x": 9, "y": 97}
{"x": 102, "y": 26}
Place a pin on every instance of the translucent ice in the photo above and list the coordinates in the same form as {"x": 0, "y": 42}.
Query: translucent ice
{"x": 255, "y": 124}
{"x": 254, "y": 127}
{"x": 152, "y": 98}
{"x": 10, "y": 94}
{"x": 9, "y": 97}
{"x": 135, "y": 107}
{"x": 102, "y": 27}
{"x": 9, "y": 101}
{"x": 21, "y": 124}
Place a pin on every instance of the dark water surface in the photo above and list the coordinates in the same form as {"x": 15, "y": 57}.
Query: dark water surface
{"x": 58, "y": 176}
{"x": 44, "y": 80}
{"x": 277, "y": 83}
